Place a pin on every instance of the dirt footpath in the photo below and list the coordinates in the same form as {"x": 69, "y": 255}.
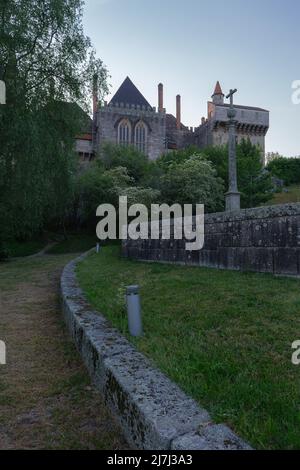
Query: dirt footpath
{"x": 46, "y": 398}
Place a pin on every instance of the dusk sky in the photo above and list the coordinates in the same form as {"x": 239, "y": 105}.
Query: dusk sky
{"x": 189, "y": 45}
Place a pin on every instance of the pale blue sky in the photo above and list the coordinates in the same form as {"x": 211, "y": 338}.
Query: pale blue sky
{"x": 189, "y": 45}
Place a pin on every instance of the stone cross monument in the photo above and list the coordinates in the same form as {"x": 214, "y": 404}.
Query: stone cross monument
{"x": 232, "y": 197}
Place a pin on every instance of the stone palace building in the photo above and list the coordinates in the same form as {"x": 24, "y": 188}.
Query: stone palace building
{"x": 129, "y": 119}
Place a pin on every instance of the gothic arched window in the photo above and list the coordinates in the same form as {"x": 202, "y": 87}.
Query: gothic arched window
{"x": 140, "y": 136}
{"x": 124, "y": 132}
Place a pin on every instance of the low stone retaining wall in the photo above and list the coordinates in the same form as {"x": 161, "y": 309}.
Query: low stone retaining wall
{"x": 264, "y": 239}
{"x": 152, "y": 411}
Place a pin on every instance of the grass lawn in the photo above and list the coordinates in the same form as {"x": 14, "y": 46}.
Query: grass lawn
{"x": 75, "y": 243}
{"x": 293, "y": 195}
{"x": 225, "y": 337}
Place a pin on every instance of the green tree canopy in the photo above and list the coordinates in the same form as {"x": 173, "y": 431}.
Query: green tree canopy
{"x": 100, "y": 186}
{"x": 191, "y": 182}
{"x": 129, "y": 157}
{"x": 176, "y": 157}
{"x": 254, "y": 183}
{"x": 287, "y": 169}
{"x": 45, "y": 53}
{"x": 47, "y": 62}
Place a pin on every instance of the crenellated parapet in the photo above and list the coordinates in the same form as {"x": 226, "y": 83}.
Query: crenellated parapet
{"x": 131, "y": 107}
{"x": 243, "y": 128}
{"x": 132, "y": 110}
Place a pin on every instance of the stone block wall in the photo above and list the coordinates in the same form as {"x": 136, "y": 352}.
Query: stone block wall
{"x": 265, "y": 239}
{"x": 153, "y": 412}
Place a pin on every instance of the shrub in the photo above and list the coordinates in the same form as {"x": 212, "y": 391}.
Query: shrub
{"x": 287, "y": 169}
{"x": 135, "y": 162}
{"x": 191, "y": 182}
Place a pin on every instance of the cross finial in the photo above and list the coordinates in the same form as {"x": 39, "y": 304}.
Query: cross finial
{"x": 230, "y": 95}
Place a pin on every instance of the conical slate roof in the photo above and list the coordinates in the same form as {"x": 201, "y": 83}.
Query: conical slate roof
{"x": 218, "y": 89}
{"x": 129, "y": 94}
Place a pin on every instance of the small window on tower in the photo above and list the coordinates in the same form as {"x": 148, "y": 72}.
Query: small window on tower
{"x": 124, "y": 132}
{"x": 140, "y": 136}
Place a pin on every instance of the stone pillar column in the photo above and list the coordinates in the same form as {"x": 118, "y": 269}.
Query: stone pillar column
{"x": 178, "y": 112}
{"x": 160, "y": 98}
{"x": 232, "y": 197}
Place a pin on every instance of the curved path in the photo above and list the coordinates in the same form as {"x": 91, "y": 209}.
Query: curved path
{"x": 46, "y": 399}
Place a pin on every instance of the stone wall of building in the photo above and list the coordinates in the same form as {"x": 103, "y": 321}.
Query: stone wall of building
{"x": 263, "y": 239}
{"x": 220, "y": 136}
{"x": 182, "y": 138}
{"x": 204, "y": 135}
{"x": 108, "y": 117}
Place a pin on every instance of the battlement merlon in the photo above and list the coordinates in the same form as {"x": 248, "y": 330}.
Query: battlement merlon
{"x": 131, "y": 109}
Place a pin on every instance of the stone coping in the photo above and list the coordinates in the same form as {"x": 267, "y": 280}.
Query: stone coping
{"x": 153, "y": 412}
{"x": 264, "y": 212}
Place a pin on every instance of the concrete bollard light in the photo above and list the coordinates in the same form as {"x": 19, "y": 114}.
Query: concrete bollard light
{"x": 134, "y": 311}
{"x": 2, "y": 92}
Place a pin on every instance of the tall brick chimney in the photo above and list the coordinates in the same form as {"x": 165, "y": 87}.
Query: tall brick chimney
{"x": 95, "y": 94}
{"x": 178, "y": 112}
{"x": 160, "y": 98}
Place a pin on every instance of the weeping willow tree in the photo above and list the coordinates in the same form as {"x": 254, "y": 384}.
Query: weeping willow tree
{"x": 47, "y": 63}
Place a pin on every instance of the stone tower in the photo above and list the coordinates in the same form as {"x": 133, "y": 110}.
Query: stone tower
{"x": 218, "y": 95}
{"x": 251, "y": 123}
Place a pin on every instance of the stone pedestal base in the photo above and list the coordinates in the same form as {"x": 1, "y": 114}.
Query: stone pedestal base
{"x": 233, "y": 201}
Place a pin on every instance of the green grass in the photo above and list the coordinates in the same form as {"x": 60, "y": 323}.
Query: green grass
{"x": 20, "y": 249}
{"x": 293, "y": 195}
{"x": 225, "y": 337}
{"x": 75, "y": 243}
